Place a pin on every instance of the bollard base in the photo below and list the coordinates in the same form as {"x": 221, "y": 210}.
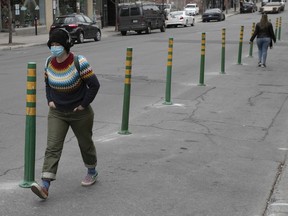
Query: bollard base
{"x": 200, "y": 84}
{"x": 167, "y": 103}
{"x": 222, "y": 72}
{"x": 126, "y": 132}
{"x": 26, "y": 184}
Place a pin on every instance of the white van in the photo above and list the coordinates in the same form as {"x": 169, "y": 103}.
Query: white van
{"x": 192, "y": 9}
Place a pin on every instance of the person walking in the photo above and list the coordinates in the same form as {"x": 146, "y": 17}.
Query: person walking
{"x": 69, "y": 92}
{"x": 265, "y": 34}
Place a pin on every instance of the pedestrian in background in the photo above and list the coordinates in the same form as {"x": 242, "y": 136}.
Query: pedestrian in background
{"x": 265, "y": 34}
{"x": 69, "y": 92}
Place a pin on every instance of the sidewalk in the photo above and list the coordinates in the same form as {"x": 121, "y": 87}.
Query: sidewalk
{"x": 19, "y": 41}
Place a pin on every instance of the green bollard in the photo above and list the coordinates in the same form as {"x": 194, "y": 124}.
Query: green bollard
{"x": 202, "y": 65}
{"x": 251, "y": 44}
{"x": 279, "y": 26}
{"x": 240, "y": 46}
{"x": 30, "y": 131}
{"x": 276, "y": 28}
{"x": 169, "y": 73}
{"x": 127, "y": 89}
{"x": 223, "y": 51}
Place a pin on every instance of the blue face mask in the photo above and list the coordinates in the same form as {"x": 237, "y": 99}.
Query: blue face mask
{"x": 57, "y": 50}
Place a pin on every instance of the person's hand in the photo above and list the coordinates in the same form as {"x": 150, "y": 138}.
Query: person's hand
{"x": 79, "y": 108}
{"x": 52, "y": 105}
{"x": 250, "y": 42}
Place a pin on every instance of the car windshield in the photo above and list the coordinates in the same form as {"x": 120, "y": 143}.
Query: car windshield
{"x": 212, "y": 10}
{"x": 273, "y": 3}
{"x": 177, "y": 13}
{"x": 190, "y": 6}
{"x": 65, "y": 20}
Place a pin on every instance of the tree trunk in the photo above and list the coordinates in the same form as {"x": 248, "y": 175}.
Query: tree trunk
{"x": 10, "y": 22}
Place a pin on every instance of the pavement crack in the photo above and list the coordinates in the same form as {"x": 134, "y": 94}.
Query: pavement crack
{"x": 9, "y": 170}
{"x": 22, "y": 115}
{"x": 273, "y": 120}
{"x": 251, "y": 100}
{"x": 275, "y": 183}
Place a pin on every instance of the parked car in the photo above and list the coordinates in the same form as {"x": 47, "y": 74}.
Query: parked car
{"x": 264, "y": 2}
{"x": 248, "y": 7}
{"x": 177, "y": 18}
{"x": 192, "y": 8}
{"x": 213, "y": 14}
{"x": 140, "y": 16}
{"x": 282, "y": 4}
{"x": 271, "y": 7}
{"x": 167, "y": 7}
{"x": 79, "y": 26}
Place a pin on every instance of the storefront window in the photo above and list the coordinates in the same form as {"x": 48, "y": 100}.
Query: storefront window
{"x": 4, "y": 14}
{"x": 67, "y": 7}
{"x": 23, "y": 12}
{"x": 70, "y": 6}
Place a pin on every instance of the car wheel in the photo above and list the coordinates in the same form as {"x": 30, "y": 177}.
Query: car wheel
{"x": 163, "y": 28}
{"x": 123, "y": 33}
{"x": 80, "y": 38}
{"x": 148, "y": 30}
{"x": 139, "y": 32}
{"x": 98, "y": 36}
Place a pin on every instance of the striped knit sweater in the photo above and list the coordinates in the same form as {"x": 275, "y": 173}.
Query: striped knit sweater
{"x": 67, "y": 87}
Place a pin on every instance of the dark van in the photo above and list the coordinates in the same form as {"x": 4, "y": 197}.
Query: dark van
{"x": 140, "y": 17}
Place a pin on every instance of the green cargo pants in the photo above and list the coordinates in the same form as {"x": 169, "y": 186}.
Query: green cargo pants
{"x": 59, "y": 122}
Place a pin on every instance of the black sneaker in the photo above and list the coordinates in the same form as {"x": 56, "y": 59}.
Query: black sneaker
{"x": 259, "y": 64}
{"x": 263, "y": 65}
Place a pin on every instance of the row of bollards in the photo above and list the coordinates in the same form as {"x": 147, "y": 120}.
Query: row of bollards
{"x": 30, "y": 130}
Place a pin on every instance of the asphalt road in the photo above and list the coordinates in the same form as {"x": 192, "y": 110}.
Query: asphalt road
{"x": 218, "y": 150}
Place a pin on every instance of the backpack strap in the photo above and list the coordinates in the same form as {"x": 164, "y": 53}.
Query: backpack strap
{"x": 48, "y": 60}
{"x": 76, "y": 63}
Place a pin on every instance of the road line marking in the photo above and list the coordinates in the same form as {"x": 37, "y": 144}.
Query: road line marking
{"x": 279, "y": 204}
{"x": 9, "y": 186}
{"x": 108, "y": 137}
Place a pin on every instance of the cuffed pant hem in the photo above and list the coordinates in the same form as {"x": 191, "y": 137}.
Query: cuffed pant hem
{"x": 48, "y": 175}
{"x": 90, "y": 166}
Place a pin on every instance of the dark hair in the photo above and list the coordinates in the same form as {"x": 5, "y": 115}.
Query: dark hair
{"x": 62, "y": 37}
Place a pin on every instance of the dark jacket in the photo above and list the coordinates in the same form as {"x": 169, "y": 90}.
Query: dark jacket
{"x": 263, "y": 32}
